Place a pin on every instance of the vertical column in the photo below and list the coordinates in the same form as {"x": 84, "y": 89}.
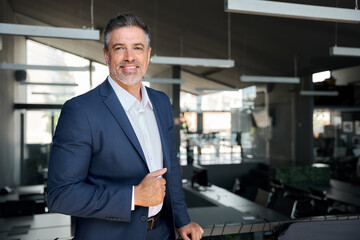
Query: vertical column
{"x": 176, "y": 106}
{"x": 22, "y": 148}
{"x": 304, "y": 126}
{"x": 199, "y": 125}
{"x": 91, "y": 74}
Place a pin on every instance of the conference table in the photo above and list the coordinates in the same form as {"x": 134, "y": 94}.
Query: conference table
{"x": 222, "y": 197}
{"x": 232, "y": 215}
{"x": 222, "y": 212}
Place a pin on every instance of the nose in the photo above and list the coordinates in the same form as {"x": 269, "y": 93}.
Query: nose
{"x": 129, "y": 55}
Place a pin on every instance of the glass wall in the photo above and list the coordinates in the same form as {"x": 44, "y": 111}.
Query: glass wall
{"x": 218, "y": 128}
{"x": 50, "y": 87}
{"x": 337, "y": 140}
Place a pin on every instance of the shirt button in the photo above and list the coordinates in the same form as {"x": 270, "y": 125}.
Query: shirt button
{"x": 143, "y": 218}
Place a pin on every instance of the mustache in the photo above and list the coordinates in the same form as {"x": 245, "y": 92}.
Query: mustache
{"x": 135, "y": 62}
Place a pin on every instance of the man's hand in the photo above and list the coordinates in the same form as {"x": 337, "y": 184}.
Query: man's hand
{"x": 151, "y": 190}
{"x": 192, "y": 229}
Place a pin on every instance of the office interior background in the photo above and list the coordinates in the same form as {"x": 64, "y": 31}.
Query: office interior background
{"x": 247, "y": 131}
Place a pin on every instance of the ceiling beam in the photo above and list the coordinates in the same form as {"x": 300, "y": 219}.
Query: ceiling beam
{"x": 186, "y": 61}
{"x": 16, "y": 66}
{"x": 345, "y": 51}
{"x": 319, "y": 93}
{"x": 269, "y": 79}
{"x": 293, "y": 10}
{"x": 52, "y": 32}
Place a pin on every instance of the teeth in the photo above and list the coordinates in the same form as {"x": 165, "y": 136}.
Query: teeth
{"x": 130, "y": 67}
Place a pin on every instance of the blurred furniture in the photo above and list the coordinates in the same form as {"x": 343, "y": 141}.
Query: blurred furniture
{"x": 199, "y": 177}
{"x": 285, "y": 206}
{"x": 327, "y": 230}
{"x": 336, "y": 190}
{"x": 38, "y": 226}
{"x": 319, "y": 202}
{"x": 262, "y": 197}
{"x": 330, "y": 196}
{"x": 234, "y": 140}
{"x": 23, "y": 201}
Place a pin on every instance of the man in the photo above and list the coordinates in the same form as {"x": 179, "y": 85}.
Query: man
{"x": 113, "y": 163}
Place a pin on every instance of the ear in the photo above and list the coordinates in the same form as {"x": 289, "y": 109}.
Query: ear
{"x": 106, "y": 56}
{"x": 149, "y": 54}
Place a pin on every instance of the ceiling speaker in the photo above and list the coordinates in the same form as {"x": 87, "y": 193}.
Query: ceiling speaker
{"x": 20, "y": 75}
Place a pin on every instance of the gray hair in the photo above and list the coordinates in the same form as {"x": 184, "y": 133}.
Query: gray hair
{"x": 125, "y": 20}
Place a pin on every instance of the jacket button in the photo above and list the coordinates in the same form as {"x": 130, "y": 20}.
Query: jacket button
{"x": 143, "y": 218}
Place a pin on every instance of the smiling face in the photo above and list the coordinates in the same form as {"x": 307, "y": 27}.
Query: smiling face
{"x": 128, "y": 55}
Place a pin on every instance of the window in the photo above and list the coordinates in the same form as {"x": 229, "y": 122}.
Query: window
{"x": 220, "y": 127}
{"x": 216, "y": 122}
{"x": 99, "y": 74}
{"x": 50, "y": 87}
{"x": 39, "y": 54}
{"x": 321, "y": 76}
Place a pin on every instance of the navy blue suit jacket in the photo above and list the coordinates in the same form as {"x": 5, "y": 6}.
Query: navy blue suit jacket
{"x": 96, "y": 159}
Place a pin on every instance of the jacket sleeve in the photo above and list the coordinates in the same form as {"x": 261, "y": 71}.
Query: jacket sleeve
{"x": 68, "y": 190}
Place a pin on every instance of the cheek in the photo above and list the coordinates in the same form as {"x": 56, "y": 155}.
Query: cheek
{"x": 114, "y": 61}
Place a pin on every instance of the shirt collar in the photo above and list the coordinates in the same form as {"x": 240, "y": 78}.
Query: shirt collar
{"x": 126, "y": 99}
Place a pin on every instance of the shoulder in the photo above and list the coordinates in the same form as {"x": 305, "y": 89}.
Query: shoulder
{"x": 88, "y": 99}
{"x": 156, "y": 95}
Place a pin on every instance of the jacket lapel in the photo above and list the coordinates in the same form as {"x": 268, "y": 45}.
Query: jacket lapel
{"x": 162, "y": 129}
{"x": 115, "y": 107}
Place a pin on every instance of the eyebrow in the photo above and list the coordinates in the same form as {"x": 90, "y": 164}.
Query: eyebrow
{"x": 122, "y": 44}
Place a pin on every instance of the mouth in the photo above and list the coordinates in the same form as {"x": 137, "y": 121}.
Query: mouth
{"x": 129, "y": 68}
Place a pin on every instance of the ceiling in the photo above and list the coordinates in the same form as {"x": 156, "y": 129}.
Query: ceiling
{"x": 260, "y": 45}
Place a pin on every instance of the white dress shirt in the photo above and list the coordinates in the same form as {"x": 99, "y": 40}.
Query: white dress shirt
{"x": 142, "y": 118}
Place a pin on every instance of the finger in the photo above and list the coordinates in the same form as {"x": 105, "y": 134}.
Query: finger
{"x": 162, "y": 181}
{"x": 201, "y": 231}
{"x": 195, "y": 235}
{"x": 158, "y": 173}
{"x": 184, "y": 236}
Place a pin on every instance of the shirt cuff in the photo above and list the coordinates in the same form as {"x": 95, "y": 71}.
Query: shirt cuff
{"x": 132, "y": 200}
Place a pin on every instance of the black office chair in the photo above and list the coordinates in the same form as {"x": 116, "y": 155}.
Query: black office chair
{"x": 285, "y": 206}
{"x": 319, "y": 202}
{"x": 262, "y": 197}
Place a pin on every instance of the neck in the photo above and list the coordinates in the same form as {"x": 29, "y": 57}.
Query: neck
{"x": 134, "y": 90}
